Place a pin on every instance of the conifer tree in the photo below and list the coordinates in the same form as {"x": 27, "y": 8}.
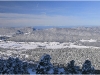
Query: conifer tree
{"x": 87, "y": 68}
{"x": 45, "y": 66}
{"x": 72, "y": 69}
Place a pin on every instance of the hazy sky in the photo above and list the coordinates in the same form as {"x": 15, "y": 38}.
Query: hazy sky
{"x": 49, "y": 13}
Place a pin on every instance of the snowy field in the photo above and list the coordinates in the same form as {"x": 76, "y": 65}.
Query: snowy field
{"x": 45, "y": 45}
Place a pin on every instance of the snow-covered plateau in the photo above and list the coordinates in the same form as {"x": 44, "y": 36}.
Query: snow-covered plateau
{"x": 45, "y": 45}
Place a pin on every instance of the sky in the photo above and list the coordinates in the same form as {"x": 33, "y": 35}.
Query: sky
{"x": 49, "y": 13}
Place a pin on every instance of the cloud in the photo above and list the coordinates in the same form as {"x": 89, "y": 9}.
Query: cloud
{"x": 14, "y": 19}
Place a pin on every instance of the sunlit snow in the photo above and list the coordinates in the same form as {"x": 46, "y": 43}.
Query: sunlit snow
{"x": 91, "y": 40}
{"x": 34, "y": 45}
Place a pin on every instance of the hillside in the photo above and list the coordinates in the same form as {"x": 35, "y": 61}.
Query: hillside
{"x": 51, "y": 35}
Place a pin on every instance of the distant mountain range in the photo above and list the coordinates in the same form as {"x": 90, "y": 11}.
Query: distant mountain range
{"x": 50, "y": 34}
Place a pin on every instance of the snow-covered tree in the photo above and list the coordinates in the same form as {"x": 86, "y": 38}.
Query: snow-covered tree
{"x": 45, "y": 66}
{"x": 87, "y": 68}
{"x": 13, "y": 66}
{"x": 72, "y": 69}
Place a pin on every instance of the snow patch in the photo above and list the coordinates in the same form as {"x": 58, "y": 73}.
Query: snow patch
{"x": 31, "y": 72}
{"x": 61, "y": 70}
{"x": 6, "y": 35}
{"x": 45, "y": 45}
{"x": 91, "y": 40}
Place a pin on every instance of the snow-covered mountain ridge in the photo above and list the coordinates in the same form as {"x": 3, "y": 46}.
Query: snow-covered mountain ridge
{"x": 30, "y": 34}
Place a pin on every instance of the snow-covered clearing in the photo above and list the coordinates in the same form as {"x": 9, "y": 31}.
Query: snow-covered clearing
{"x": 6, "y": 35}
{"x": 91, "y": 40}
{"x": 45, "y": 45}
